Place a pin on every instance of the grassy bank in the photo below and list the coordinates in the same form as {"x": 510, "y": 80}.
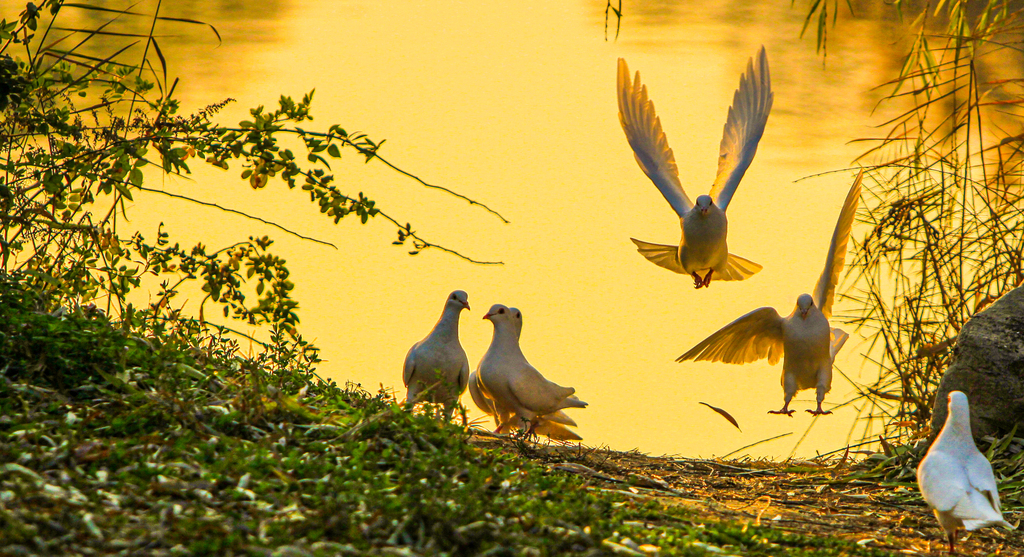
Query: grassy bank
{"x": 151, "y": 441}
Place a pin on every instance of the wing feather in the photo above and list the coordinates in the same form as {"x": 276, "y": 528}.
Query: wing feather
{"x": 979, "y": 473}
{"x": 744, "y": 127}
{"x": 752, "y": 337}
{"x": 660, "y": 254}
{"x": 650, "y": 146}
{"x": 825, "y": 289}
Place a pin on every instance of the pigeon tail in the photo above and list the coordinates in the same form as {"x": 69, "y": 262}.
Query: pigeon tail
{"x": 572, "y": 402}
{"x": 556, "y": 431}
{"x": 976, "y": 511}
{"x": 737, "y": 268}
{"x": 975, "y": 524}
{"x": 560, "y": 417}
{"x": 839, "y": 337}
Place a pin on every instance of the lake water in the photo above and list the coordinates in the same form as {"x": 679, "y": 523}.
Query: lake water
{"x": 513, "y": 104}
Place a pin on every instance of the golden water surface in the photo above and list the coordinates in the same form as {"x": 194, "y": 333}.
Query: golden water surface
{"x": 513, "y": 104}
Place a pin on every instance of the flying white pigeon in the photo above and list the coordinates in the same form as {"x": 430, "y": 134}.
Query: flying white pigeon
{"x": 702, "y": 250}
{"x": 516, "y": 389}
{"x": 552, "y": 425}
{"x": 438, "y": 362}
{"x": 804, "y": 340}
{"x": 955, "y": 479}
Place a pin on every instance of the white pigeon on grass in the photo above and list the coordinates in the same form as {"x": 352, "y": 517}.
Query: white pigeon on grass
{"x": 703, "y": 252}
{"x": 518, "y": 392}
{"x": 955, "y": 478}
{"x": 436, "y": 368}
{"x": 552, "y": 425}
{"x": 804, "y": 340}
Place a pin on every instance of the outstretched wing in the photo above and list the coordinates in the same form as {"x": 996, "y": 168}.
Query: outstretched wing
{"x": 752, "y": 337}
{"x": 825, "y": 290}
{"x": 650, "y": 147}
{"x": 743, "y": 128}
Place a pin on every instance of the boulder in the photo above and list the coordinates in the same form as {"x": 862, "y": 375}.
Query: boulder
{"x": 988, "y": 366}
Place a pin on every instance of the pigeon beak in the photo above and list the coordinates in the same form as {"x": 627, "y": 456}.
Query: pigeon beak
{"x": 488, "y": 316}
{"x": 803, "y": 314}
{"x": 466, "y": 304}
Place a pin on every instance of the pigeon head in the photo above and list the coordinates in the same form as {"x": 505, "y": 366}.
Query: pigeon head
{"x": 804, "y": 304}
{"x": 458, "y": 299}
{"x": 517, "y": 320}
{"x": 499, "y": 314}
{"x": 704, "y": 202}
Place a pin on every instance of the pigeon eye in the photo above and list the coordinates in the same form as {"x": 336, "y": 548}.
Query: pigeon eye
{"x": 519, "y": 315}
{"x": 454, "y": 297}
{"x": 501, "y": 311}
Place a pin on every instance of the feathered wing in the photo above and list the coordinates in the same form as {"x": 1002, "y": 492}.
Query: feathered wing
{"x": 660, "y": 254}
{"x": 538, "y": 395}
{"x": 737, "y": 268}
{"x": 825, "y": 289}
{"x": 752, "y": 337}
{"x": 743, "y": 128}
{"x": 985, "y": 495}
{"x": 650, "y": 147}
{"x": 463, "y": 376}
{"x": 476, "y": 392}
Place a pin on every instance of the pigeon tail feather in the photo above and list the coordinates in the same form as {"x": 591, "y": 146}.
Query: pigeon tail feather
{"x": 737, "y": 268}
{"x": 572, "y": 402}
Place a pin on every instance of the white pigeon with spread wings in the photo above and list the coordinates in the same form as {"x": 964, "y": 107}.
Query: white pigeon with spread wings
{"x": 552, "y": 425}
{"x": 804, "y": 340}
{"x": 702, "y": 252}
{"x": 515, "y": 388}
{"x": 955, "y": 478}
{"x": 436, "y": 368}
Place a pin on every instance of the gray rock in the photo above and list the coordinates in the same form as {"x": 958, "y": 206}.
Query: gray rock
{"x": 988, "y": 366}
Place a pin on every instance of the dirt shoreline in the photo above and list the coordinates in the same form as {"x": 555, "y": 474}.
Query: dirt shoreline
{"x": 809, "y": 498}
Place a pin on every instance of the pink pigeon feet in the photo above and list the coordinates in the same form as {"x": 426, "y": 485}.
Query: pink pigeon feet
{"x": 783, "y": 411}
{"x": 702, "y": 282}
{"x": 819, "y": 411}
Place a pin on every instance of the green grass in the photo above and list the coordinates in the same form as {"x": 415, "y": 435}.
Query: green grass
{"x": 133, "y": 443}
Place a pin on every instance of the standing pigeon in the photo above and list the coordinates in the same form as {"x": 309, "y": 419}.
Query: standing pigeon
{"x": 702, "y": 250}
{"x": 517, "y": 390}
{"x": 805, "y": 338}
{"x": 955, "y": 479}
{"x": 438, "y": 362}
{"x": 552, "y": 425}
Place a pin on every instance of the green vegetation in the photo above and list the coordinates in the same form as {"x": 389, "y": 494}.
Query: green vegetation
{"x": 147, "y": 430}
{"x": 943, "y": 199}
{"x": 88, "y": 119}
{"x": 178, "y": 447}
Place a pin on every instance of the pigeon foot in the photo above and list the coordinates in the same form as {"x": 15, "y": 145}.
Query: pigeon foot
{"x": 697, "y": 281}
{"x": 819, "y": 412}
{"x": 783, "y": 411}
{"x": 707, "y": 279}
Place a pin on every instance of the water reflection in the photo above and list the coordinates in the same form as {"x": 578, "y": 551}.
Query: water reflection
{"x": 515, "y": 105}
